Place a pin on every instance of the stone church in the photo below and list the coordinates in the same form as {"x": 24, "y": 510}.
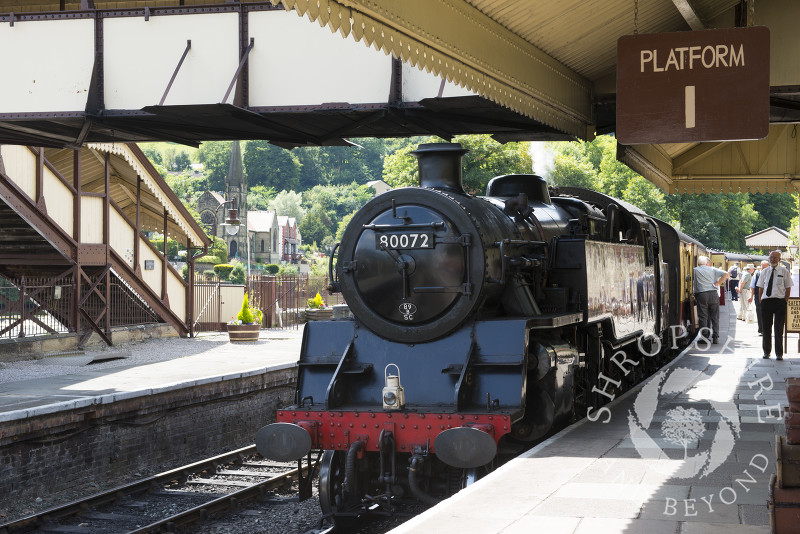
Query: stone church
{"x": 267, "y": 239}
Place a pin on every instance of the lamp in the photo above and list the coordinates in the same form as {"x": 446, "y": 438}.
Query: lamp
{"x": 232, "y": 223}
{"x": 792, "y": 250}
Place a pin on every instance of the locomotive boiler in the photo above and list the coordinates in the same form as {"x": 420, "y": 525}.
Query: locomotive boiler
{"x": 480, "y": 325}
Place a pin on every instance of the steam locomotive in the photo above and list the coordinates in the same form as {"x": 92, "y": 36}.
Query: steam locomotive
{"x": 480, "y": 326}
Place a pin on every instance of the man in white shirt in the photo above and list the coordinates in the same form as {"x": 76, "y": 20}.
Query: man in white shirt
{"x": 774, "y": 284}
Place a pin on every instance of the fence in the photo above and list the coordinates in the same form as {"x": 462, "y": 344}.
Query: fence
{"x": 35, "y": 305}
{"x": 40, "y": 305}
{"x": 280, "y": 298}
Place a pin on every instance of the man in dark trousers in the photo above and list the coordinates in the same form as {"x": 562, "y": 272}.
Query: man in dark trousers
{"x": 754, "y": 293}
{"x": 775, "y": 284}
{"x": 706, "y": 280}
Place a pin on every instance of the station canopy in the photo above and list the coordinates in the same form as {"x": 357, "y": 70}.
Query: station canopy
{"x": 552, "y": 64}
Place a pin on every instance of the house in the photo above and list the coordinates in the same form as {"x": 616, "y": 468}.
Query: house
{"x": 379, "y": 186}
{"x": 264, "y": 234}
{"x": 290, "y": 239}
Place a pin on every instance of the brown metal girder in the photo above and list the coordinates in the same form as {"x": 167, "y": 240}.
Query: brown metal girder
{"x": 20, "y": 203}
{"x": 47, "y": 139}
{"x": 94, "y": 327}
{"x": 144, "y": 291}
{"x": 94, "y": 285}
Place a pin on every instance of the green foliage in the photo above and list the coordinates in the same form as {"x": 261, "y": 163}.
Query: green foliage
{"x": 237, "y": 274}
{"x": 571, "y": 170}
{"x": 248, "y": 314}
{"x": 153, "y": 154}
{"x": 172, "y": 246}
{"x": 272, "y": 268}
{"x": 223, "y": 270}
{"x": 343, "y": 225}
{"x": 187, "y": 186}
{"x": 216, "y": 159}
{"x": 719, "y": 221}
{"x": 218, "y": 249}
{"x": 270, "y": 166}
{"x": 486, "y": 159}
{"x": 185, "y": 273}
{"x": 209, "y": 274}
{"x": 259, "y": 197}
{"x": 775, "y": 209}
{"x": 288, "y": 203}
{"x": 316, "y": 225}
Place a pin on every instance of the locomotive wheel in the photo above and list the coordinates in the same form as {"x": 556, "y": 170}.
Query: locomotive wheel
{"x": 342, "y": 509}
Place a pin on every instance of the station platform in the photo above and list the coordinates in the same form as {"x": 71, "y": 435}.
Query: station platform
{"x": 185, "y": 362}
{"x": 689, "y": 451}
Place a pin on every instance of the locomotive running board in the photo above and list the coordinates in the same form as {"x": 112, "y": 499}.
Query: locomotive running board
{"x": 554, "y": 321}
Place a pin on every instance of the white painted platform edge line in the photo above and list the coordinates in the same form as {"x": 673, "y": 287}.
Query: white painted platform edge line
{"x": 477, "y": 486}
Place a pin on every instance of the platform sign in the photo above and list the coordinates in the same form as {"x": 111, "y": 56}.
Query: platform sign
{"x": 710, "y": 85}
{"x": 793, "y": 315}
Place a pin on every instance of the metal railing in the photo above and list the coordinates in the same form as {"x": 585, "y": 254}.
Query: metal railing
{"x": 35, "y": 305}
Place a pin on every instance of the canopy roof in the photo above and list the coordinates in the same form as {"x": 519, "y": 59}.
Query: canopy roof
{"x": 554, "y": 63}
{"x": 771, "y": 237}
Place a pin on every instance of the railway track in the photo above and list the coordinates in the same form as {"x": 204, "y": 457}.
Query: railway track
{"x": 170, "y": 501}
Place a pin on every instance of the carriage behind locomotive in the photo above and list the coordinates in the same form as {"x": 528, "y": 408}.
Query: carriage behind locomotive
{"x": 482, "y": 324}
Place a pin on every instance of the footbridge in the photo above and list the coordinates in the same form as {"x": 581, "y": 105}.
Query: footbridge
{"x": 73, "y": 255}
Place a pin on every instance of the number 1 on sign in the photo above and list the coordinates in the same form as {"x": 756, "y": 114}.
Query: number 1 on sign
{"x": 689, "y": 105}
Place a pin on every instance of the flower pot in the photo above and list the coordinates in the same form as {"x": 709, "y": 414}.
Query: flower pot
{"x": 322, "y": 314}
{"x": 243, "y": 332}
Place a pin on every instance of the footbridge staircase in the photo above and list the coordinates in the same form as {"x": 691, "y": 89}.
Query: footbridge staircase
{"x": 73, "y": 251}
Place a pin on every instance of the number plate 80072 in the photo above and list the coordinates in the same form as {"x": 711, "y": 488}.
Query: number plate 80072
{"x": 404, "y": 240}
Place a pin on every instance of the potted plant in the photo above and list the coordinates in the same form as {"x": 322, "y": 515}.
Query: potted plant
{"x": 247, "y": 324}
{"x": 316, "y": 310}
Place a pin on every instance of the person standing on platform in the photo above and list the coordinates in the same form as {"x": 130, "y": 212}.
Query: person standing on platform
{"x": 775, "y": 284}
{"x": 706, "y": 280}
{"x": 744, "y": 291}
{"x": 733, "y": 272}
{"x": 754, "y": 293}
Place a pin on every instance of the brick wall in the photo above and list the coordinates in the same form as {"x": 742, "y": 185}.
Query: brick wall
{"x": 104, "y": 441}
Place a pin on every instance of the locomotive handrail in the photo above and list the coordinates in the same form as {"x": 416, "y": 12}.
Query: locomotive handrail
{"x": 433, "y": 225}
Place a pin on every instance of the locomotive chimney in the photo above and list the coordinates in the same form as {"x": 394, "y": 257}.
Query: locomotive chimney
{"x": 440, "y": 166}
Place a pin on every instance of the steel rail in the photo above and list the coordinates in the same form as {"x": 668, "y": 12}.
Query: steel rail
{"x": 148, "y": 484}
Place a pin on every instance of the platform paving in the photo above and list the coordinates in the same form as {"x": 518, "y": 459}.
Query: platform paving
{"x": 191, "y": 361}
{"x": 690, "y": 451}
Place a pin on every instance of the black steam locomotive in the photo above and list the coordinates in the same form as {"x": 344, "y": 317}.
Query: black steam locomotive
{"x": 481, "y": 325}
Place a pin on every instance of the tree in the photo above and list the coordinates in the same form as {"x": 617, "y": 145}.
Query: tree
{"x": 571, "y": 171}
{"x": 216, "y": 159}
{"x": 316, "y": 225}
{"x": 343, "y": 225}
{"x": 338, "y": 199}
{"x": 718, "y": 221}
{"x": 486, "y": 159}
{"x": 682, "y": 427}
{"x": 259, "y": 197}
{"x": 774, "y": 209}
{"x": 288, "y": 203}
{"x": 271, "y": 166}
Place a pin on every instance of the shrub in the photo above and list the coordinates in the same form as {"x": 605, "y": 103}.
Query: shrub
{"x": 223, "y": 270}
{"x": 237, "y": 274}
{"x": 273, "y": 268}
{"x": 185, "y": 272}
{"x": 248, "y": 315}
{"x": 209, "y": 274}
{"x": 245, "y": 315}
